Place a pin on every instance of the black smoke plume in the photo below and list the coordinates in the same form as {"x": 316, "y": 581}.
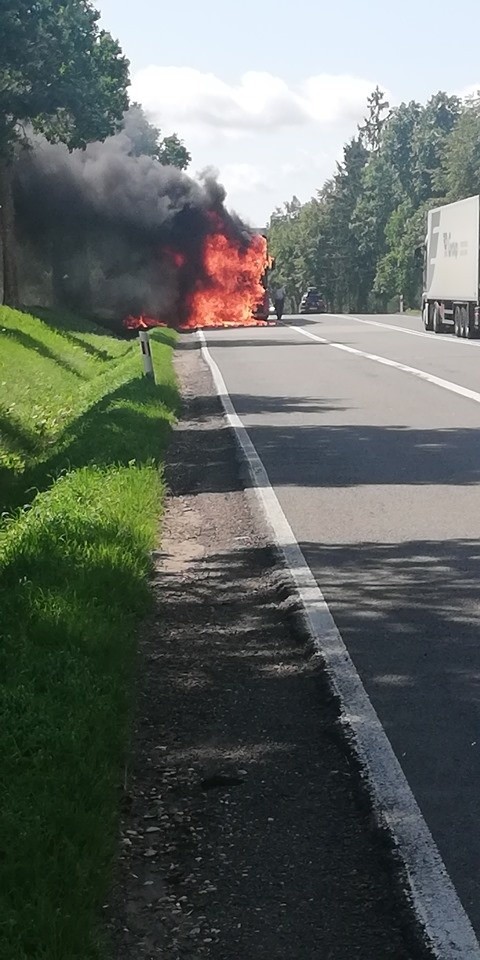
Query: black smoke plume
{"x": 100, "y": 229}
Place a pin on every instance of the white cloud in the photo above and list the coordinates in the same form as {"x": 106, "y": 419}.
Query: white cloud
{"x": 303, "y": 161}
{"x": 183, "y": 96}
{"x": 334, "y": 98}
{"x": 240, "y": 178}
{"x": 267, "y": 137}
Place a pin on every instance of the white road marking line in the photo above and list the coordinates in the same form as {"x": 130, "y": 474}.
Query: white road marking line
{"x": 420, "y": 374}
{"x": 435, "y": 900}
{"x": 413, "y": 333}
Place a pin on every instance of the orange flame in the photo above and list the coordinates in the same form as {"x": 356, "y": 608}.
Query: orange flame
{"x": 230, "y": 293}
{"x": 142, "y": 323}
{"x": 233, "y": 289}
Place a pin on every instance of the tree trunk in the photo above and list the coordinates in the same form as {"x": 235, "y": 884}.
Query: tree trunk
{"x": 11, "y": 295}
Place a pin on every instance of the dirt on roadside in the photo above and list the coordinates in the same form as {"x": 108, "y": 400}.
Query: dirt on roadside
{"x": 245, "y": 834}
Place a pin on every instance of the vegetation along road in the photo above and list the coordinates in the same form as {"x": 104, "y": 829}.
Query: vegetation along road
{"x": 85, "y": 431}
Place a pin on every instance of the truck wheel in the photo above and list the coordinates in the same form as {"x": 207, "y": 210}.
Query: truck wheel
{"x": 427, "y": 317}
{"x": 468, "y": 325}
{"x": 457, "y": 322}
{"x": 437, "y": 321}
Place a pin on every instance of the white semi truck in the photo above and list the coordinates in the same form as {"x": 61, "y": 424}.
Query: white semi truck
{"x": 452, "y": 269}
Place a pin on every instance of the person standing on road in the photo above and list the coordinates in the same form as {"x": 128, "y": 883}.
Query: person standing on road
{"x": 279, "y": 302}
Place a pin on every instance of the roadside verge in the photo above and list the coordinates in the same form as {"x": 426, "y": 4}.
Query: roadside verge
{"x": 246, "y": 831}
{"x": 82, "y": 438}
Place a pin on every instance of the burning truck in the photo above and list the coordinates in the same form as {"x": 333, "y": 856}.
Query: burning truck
{"x": 136, "y": 244}
{"x": 231, "y": 289}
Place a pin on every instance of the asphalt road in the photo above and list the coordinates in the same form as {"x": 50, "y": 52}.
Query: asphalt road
{"x": 378, "y": 473}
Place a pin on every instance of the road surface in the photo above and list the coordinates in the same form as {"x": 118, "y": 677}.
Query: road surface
{"x": 377, "y": 469}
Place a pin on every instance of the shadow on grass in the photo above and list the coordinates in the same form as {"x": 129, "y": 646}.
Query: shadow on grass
{"x": 32, "y": 343}
{"x": 67, "y": 326}
{"x": 62, "y": 544}
{"x": 19, "y": 438}
{"x": 130, "y": 424}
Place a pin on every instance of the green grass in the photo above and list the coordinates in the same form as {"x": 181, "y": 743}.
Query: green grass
{"x": 82, "y": 426}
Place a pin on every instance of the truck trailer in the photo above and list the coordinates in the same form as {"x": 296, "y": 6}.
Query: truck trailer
{"x": 451, "y": 298}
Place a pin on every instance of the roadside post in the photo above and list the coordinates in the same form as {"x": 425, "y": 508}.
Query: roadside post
{"x": 401, "y": 303}
{"x": 144, "y": 339}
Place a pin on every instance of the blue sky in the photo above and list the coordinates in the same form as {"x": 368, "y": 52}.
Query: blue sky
{"x": 268, "y": 92}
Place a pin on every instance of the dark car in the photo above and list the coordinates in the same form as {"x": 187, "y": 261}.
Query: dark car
{"x": 312, "y": 302}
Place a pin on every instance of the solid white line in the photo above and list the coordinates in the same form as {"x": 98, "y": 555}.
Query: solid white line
{"x": 420, "y": 374}
{"x": 435, "y": 900}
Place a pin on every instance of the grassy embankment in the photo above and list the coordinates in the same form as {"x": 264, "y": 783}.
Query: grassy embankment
{"x": 82, "y": 434}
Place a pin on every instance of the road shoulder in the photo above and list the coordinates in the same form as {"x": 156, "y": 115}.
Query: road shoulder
{"x": 246, "y": 832}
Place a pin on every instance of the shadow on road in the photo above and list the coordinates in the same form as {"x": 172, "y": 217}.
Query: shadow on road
{"x": 334, "y": 456}
{"x": 409, "y": 613}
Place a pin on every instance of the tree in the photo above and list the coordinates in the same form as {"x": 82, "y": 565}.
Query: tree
{"x": 142, "y": 134}
{"x": 378, "y": 199}
{"x": 400, "y": 270}
{"x": 460, "y": 170}
{"x": 341, "y": 198}
{"x": 63, "y": 76}
{"x": 430, "y": 138}
{"x": 172, "y": 152}
{"x": 397, "y": 144}
{"x": 285, "y": 242}
{"x": 313, "y": 243}
{"x": 146, "y": 140}
{"x": 362, "y": 238}
{"x": 371, "y": 130}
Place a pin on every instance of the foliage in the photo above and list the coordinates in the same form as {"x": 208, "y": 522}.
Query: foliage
{"x": 460, "y": 172}
{"x": 287, "y": 241}
{"x": 63, "y": 76}
{"x": 360, "y": 240}
{"x": 59, "y": 72}
{"x": 147, "y": 141}
{"x": 400, "y": 269}
{"x": 74, "y": 571}
{"x": 371, "y": 130}
{"x": 143, "y": 135}
{"x": 172, "y": 152}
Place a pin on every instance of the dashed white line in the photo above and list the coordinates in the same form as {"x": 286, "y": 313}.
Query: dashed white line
{"x": 414, "y": 371}
{"x": 394, "y": 326}
{"x": 435, "y": 338}
{"x": 436, "y": 903}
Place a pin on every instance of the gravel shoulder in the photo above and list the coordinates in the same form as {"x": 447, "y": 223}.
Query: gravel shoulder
{"x": 245, "y": 831}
